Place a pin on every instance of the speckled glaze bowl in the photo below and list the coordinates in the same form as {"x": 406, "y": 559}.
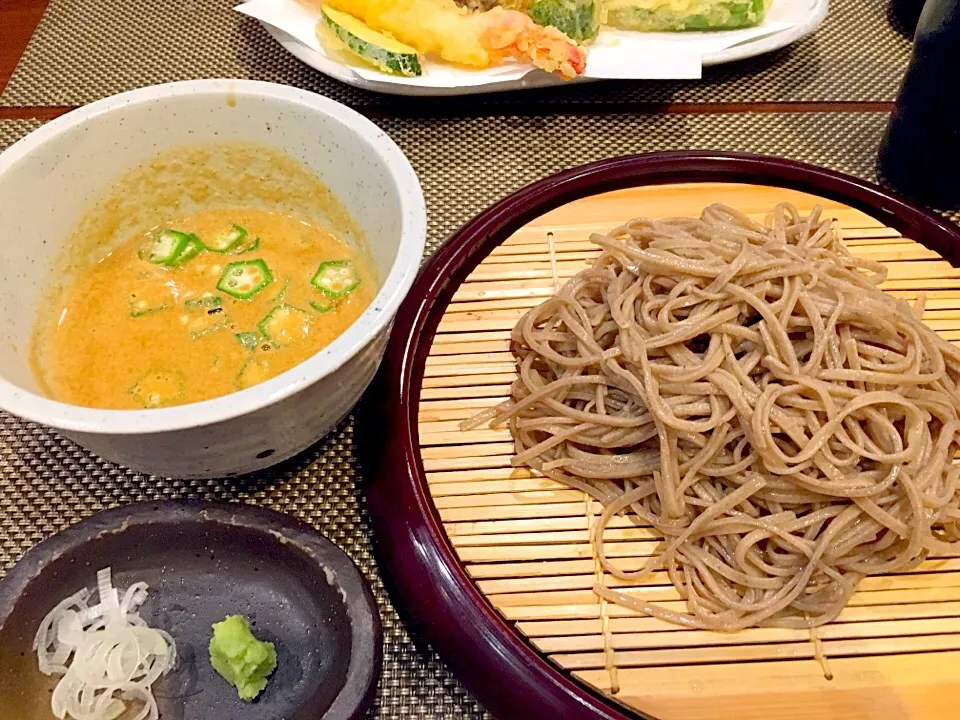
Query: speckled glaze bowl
{"x": 49, "y": 178}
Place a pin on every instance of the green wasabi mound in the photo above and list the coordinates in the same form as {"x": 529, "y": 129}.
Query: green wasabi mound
{"x": 241, "y": 659}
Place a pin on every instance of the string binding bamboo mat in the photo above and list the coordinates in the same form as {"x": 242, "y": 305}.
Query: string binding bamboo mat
{"x": 524, "y": 539}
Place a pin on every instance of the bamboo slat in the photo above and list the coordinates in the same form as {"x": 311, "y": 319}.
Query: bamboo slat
{"x": 894, "y": 652}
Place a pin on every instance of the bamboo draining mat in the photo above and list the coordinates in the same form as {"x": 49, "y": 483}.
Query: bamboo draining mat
{"x": 893, "y": 653}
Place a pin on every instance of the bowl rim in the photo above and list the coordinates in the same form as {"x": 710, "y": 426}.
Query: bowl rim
{"x": 377, "y": 317}
{"x": 438, "y": 600}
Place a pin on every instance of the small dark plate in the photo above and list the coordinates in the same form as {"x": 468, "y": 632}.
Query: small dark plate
{"x": 204, "y": 561}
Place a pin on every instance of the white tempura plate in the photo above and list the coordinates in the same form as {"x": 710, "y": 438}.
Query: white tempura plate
{"x": 800, "y": 18}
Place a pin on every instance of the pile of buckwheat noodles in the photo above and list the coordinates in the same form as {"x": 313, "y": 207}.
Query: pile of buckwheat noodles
{"x": 748, "y": 392}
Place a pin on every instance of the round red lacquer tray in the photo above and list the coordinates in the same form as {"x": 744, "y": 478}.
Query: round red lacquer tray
{"x": 440, "y": 601}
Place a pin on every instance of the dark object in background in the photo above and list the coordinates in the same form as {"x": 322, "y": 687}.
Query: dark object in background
{"x": 920, "y": 152}
{"x": 905, "y": 14}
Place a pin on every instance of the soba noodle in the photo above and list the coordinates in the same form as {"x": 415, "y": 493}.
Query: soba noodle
{"x": 747, "y": 391}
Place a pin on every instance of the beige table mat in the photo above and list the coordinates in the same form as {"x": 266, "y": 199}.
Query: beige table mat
{"x": 47, "y": 483}
{"x": 87, "y": 49}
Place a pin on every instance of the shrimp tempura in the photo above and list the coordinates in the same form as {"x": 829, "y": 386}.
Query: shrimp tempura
{"x": 460, "y": 36}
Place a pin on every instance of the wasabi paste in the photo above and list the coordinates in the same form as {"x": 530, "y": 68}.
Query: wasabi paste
{"x": 241, "y": 659}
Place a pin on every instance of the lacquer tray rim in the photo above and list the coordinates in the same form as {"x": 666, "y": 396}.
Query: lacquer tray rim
{"x": 438, "y": 599}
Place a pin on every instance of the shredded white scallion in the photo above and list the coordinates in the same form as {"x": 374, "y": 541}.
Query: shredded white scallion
{"x": 106, "y": 653}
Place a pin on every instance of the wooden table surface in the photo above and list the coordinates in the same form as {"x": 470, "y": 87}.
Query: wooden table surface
{"x": 19, "y": 20}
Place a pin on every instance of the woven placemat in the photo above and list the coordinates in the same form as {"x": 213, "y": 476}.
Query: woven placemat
{"x": 465, "y": 165}
{"x": 47, "y": 483}
{"x": 87, "y": 49}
